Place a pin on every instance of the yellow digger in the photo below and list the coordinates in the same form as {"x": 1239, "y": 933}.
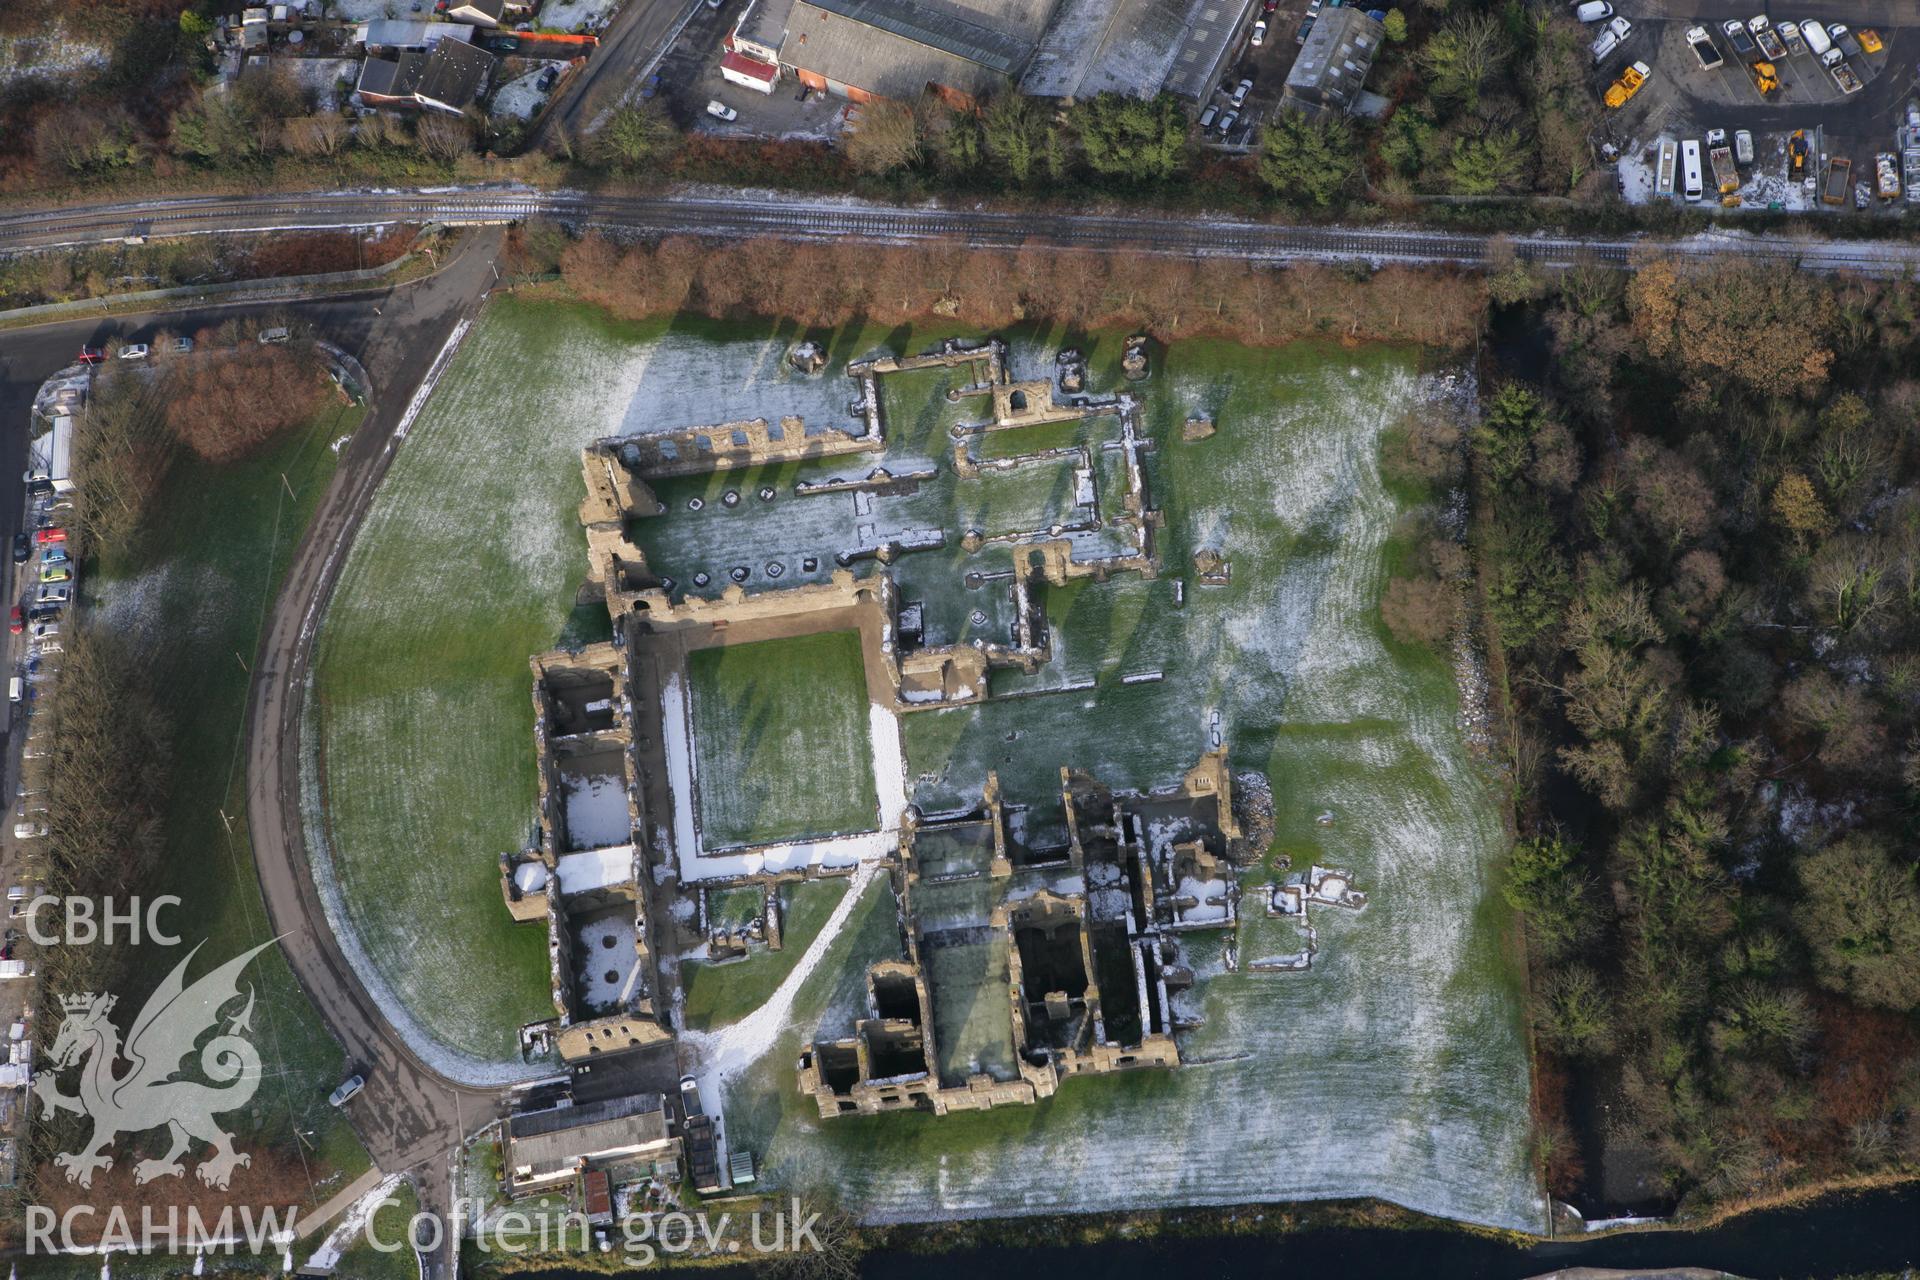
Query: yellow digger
{"x": 1765, "y": 78}
{"x": 1627, "y": 85}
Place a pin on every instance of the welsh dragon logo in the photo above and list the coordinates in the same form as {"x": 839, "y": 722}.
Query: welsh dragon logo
{"x": 147, "y": 1095}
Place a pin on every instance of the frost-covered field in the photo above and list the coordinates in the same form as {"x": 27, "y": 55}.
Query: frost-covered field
{"x": 1397, "y": 1067}
{"x": 780, "y": 740}
{"x": 466, "y": 565}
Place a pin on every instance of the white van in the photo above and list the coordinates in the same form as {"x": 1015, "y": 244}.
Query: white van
{"x": 1690, "y": 169}
{"x": 1611, "y": 37}
{"x": 16, "y": 690}
{"x": 1593, "y": 11}
{"x": 1818, "y": 42}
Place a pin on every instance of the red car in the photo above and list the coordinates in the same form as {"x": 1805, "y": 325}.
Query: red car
{"x": 17, "y": 620}
{"x": 1271, "y": 6}
{"x": 44, "y": 536}
{"x": 91, "y": 355}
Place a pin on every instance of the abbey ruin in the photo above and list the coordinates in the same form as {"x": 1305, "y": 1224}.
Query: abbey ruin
{"x": 1027, "y": 954}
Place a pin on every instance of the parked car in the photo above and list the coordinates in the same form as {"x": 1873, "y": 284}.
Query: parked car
{"x": 1227, "y": 122}
{"x": 277, "y": 334}
{"x": 22, "y": 548}
{"x": 1790, "y": 32}
{"x": 91, "y": 355}
{"x": 721, "y": 111}
{"x": 1259, "y": 33}
{"x": 54, "y": 594}
{"x": 181, "y": 346}
{"x": 1816, "y": 37}
{"x": 1870, "y": 40}
{"x": 548, "y": 77}
{"x": 17, "y": 620}
{"x": 41, "y": 630}
{"x": 52, "y": 533}
{"x": 347, "y": 1090}
{"x": 55, "y": 554}
{"x": 1743, "y": 146}
{"x": 1737, "y": 35}
{"x": 1843, "y": 39}
{"x": 1270, "y": 7}
{"x": 29, "y": 830}
{"x": 135, "y": 351}
{"x": 1240, "y": 92}
{"x": 1593, "y": 11}
{"x": 56, "y": 573}
{"x": 1206, "y": 117}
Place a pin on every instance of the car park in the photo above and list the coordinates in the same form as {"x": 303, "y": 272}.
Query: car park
{"x": 1737, "y": 35}
{"x": 1259, "y": 34}
{"x": 135, "y": 351}
{"x": 1593, "y": 11}
{"x": 1816, "y": 37}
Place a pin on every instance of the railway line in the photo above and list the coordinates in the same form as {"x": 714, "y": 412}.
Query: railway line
{"x": 752, "y": 213}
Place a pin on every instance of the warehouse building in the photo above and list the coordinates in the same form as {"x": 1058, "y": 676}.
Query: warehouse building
{"x": 1331, "y": 70}
{"x": 900, "y": 49}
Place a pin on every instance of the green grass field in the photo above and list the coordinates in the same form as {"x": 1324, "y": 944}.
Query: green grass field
{"x": 780, "y": 740}
{"x": 391, "y": 1221}
{"x": 188, "y": 601}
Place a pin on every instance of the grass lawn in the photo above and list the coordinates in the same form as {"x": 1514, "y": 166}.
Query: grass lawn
{"x": 717, "y": 994}
{"x": 780, "y": 740}
{"x": 188, "y": 601}
{"x": 390, "y": 1223}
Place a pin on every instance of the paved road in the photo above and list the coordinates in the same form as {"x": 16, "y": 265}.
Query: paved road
{"x": 756, "y": 213}
{"x": 629, "y": 49}
{"x": 409, "y": 1117}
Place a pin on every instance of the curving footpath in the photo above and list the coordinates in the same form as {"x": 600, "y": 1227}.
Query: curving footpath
{"x": 746, "y": 213}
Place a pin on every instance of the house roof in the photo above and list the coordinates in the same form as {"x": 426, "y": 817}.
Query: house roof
{"x": 1334, "y": 61}
{"x": 454, "y": 74}
{"x": 764, "y": 22}
{"x": 391, "y": 77}
{"x": 403, "y": 33}
{"x": 555, "y": 1139}
{"x": 741, "y": 64}
{"x": 487, "y": 8}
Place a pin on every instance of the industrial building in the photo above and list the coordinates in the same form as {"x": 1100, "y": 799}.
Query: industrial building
{"x": 1331, "y": 70}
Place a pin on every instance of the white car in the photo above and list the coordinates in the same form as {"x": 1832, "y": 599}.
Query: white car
{"x": 1240, "y": 92}
{"x": 1259, "y": 33}
{"x": 348, "y": 1089}
{"x": 1743, "y": 146}
{"x": 721, "y": 111}
{"x": 1593, "y": 11}
{"x": 1818, "y": 42}
{"x": 134, "y": 351}
{"x": 29, "y": 830}
{"x": 52, "y": 593}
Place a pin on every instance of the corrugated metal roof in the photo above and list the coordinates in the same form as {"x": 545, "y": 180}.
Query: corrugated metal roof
{"x": 455, "y": 74}
{"x": 853, "y": 52}
{"x": 936, "y": 28}
{"x": 1135, "y": 47}
{"x": 1334, "y": 61}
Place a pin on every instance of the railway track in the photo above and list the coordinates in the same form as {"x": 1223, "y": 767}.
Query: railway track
{"x": 800, "y": 218}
